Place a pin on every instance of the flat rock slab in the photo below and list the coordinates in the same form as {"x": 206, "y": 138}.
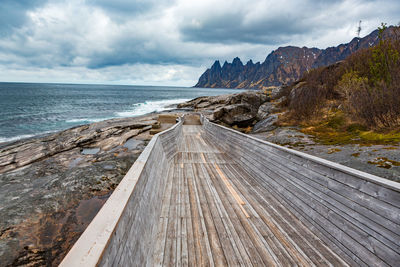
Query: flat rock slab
{"x": 52, "y": 186}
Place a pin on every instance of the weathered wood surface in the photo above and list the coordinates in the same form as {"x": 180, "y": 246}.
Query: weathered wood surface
{"x": 205, "y": 195}
{"x": 122, "y": 233}
{"x": 215, "y": 213}
{"x": 355, "y": 213}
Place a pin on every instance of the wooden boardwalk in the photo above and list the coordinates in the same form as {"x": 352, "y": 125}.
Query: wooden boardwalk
{"x": 215, "y": 213}
{"x": 206, "y": 195}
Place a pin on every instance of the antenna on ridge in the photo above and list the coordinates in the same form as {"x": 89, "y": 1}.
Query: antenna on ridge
{"x": 359, "y": 29}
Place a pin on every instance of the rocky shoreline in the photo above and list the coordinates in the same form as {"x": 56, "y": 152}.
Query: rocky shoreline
{"x": 51, "y": 187}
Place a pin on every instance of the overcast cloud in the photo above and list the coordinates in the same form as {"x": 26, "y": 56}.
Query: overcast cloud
{"x": 166, "y": 42}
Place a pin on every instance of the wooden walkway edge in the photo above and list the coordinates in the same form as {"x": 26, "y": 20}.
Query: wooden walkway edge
{"x": 205, "y": 195}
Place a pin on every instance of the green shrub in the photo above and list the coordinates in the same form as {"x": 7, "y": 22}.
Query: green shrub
{"x": 371, "y": 83}
{"x": 366, "y": 85}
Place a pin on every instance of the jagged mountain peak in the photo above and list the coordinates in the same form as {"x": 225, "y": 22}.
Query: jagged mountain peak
{"x": 284, "y": 65}
{"x": 237, "y": 61}
{"x": 216, "y": 65}
{"x": 249, "y": 63}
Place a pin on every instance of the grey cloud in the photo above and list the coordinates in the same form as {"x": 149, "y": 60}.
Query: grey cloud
{"x": 13, "y": 13}
{"x": 227, "y": 29}
{"x": 123, "y": 6}
{"x": 131, "y": 50}
{"x": 122, "y": 10}
{"x": 278, "y": 24}
{"x": 102, "y": 34}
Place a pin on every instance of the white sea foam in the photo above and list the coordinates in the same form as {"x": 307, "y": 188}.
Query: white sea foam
{"x": 24, "y": 136}
{"x": 87, "y": 120}
{"x": 137, "y": 110}
{"x": 15, "y": 138}
{"x": 150, "y": 106}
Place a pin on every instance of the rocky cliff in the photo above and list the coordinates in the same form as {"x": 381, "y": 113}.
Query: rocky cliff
{"x": 282, "y": 66}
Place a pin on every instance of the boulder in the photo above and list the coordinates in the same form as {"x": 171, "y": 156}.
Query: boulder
{"x": 204, "y": 102}
{"x": 252, "y": 98}
{"x": 266, "y": 125}
{"x": 241, "y": 115}
{"x": 264, "y": 110}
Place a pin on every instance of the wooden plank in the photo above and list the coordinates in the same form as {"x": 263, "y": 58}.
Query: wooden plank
{"x": 235, "y": 195}
{"x": 200, "y": 236}
{"x": 163, "y": 222}
{"x": 254, "y": 238}
{"x": 367, "y": 220}
{"x": 389, "y": 253}
{"x": 179, "y": 220}
{"x": 170, "y": 251}
{"x": 243, "y": 241}
{"x": 190, "y": 246}
{"x": 239, "y": 253}
{"x": 280, "y": 242}
{"x": 271, "y": 209}
{"x": 343, "y": 251}
{"x": 388, "y": 210}
{"x": 183, "y": 220}
{"x": 214, "y": 242}
{"x": 314, "y": 225}
{"x": 261, "y": 228}
{"x": 227, "y": 249}
{"x": 357, "y": 233}
{"x": 320, "y": 219}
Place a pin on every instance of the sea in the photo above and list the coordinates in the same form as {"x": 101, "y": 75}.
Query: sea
{"x": 30, "y": 109}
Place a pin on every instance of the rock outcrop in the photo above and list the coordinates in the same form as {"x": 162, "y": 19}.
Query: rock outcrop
{"x": 264, "y": 110}
{"x": 266, "y": 125}
{"x": 282, "y": 66}
{"x": 106, "y": 135}
{"x": 237, "y": 114}
{"x": 239, "y": 109}
{"x": 51, "y": 187}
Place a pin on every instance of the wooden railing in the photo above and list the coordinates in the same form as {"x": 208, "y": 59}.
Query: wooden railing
{"x": 123, "y": 231}
{"x": 357, "y": 214}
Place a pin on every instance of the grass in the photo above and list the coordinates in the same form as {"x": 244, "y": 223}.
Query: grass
{"x": 337, "y": 130}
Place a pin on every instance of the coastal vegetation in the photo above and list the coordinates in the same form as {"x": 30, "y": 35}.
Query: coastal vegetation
{"x": 356, "y": 100}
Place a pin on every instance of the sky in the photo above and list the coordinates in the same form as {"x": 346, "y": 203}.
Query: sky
{"x": 166, "y": 42}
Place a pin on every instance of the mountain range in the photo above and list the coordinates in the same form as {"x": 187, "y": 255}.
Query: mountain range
{"x": 282, "y": 66}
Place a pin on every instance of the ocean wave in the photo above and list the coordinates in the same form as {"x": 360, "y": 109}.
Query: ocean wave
{"x": 23, "y": 136}
{"x": 150, "y": 106}
{"x": 15, "y": 138}
{"x": 87, "y": 120}
{"x": 137, "y": 110}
